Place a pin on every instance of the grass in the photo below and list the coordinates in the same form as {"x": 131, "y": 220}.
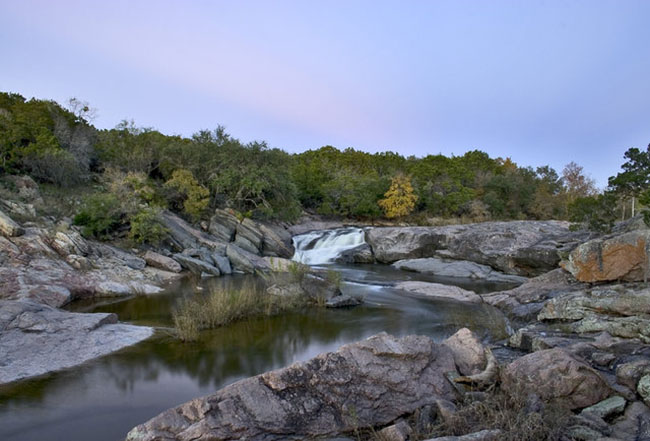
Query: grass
{"x": 511, "y": 411}
{"x": 222, "y": 307}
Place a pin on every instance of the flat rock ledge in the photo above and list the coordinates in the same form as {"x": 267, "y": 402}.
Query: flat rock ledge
{"x": 36, "y": 339}
{"x": 440, "y": 291}
{"x": 364, "y": 384}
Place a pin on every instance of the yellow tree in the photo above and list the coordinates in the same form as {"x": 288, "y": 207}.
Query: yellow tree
{"x": 400, "y": 199}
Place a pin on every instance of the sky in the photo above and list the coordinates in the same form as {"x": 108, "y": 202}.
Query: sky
{"x": 541, "y": 82}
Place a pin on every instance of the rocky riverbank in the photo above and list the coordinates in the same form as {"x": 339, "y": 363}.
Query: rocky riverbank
{"x": 580, "y": 341}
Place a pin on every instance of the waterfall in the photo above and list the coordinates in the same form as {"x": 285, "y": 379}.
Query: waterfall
{"x": 320, "y": 247}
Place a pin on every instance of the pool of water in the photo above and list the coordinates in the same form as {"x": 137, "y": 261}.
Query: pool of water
{"x": 104, "y": 398}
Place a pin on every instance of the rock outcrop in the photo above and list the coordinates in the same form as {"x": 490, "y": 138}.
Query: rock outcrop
{"x": 457, "y": 269}
{"x": 525, "y": 248}
{"x": 440, "y": 291}
{"x": 622, "y": 310}
{"x": 36, "y": 339}
{"x": 619, "y": 257}
{"x": 363, "y": 384}
{"x": 8, "y": 227}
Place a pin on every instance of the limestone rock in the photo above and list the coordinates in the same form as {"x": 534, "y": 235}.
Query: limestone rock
{"x": 36, "y": 339}
{"x": 70, "y": 242}
{"x": 223, "y": 225}
{"x": 163, "y": 262}
{"x": 525, "y": 248}
{"x": 222, "y": 263}
{"x": 196, "y": 266}
{"x": 182, "y": 235}
{"x": 456, "y": 268}
{"x": 276, "y": 240}
{"x": 358, "y": 254}
{"x": 440, "y": 291}
{"x": 620, "y": 257}
{"x": 243, "y": 261}
{"x": 397, "y": 243}
{"x": 526, "y": 300}
{"x": 556, "y": 376}
{"x": 469, "y": 353}
{"x": 8, "y": 227}
{"x": 364, "y": 384}
{"x": 248, "y": 236}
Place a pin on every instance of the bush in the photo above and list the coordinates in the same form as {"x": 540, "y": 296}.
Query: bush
{"x": 195, "y": 197}
{"x": 146, "y": 226}
{"x": 517, "y": 414}
{"x": 100, "y": 216}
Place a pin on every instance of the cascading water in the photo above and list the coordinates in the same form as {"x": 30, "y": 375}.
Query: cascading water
{"x": 319, "y": 247}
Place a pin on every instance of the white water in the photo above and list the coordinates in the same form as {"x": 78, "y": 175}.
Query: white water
{"x": 320, "y": 247}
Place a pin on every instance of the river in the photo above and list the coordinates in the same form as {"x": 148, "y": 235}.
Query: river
{"x": 103, "y": 399}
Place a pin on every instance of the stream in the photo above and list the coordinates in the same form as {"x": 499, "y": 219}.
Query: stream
{"x": 103, "y": 399}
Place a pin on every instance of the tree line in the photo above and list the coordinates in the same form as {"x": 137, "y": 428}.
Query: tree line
{"x": 141, "y": 171}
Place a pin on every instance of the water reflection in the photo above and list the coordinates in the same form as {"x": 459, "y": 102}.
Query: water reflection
{"x": 103, "y": 399}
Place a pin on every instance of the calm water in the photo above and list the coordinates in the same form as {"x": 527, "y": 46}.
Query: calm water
{"x": 103, "y": 399}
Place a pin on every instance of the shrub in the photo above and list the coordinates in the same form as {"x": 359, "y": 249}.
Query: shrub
{"x": 146, "y": 226}
{"x": 517, "y": 414}
{"x": 195, "y": 197}
{"x": 100, "y": 216}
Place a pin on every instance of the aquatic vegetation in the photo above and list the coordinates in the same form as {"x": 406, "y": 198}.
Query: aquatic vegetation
{"x": 222, "y": 307}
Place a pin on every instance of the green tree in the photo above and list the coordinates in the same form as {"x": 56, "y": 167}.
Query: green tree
{"x": 635, "y": 177}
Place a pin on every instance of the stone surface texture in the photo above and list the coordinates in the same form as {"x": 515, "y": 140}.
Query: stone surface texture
{"x": 363, "y": 384}
{"x": 611, "y": 258}
{"x": 36, "y": 339}
{"x": 439, "y": 291}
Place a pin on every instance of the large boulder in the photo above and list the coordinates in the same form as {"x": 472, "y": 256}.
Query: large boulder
{"x": 469, "y": 353}
{"x": 8, "y": 227}
{"x": 248, "y": 236}
{"x": 397, "y": 243}
{"x": 70, "y": 242}
{"x": 276, "y": 241}
{"x": 364, "y": 384}
{"x": 457, "y": 269}
{"x": 245, "y": 262}
{"x": 620, "y": 257}
{"x": 162, "y": 262}
{"x": 223, "y": 225}
{"x": 197, "y": 266}
{"x": 182, "y": 235}
{"x": 558, "y": 377}
{"x": 359, "y": 254}
{"x": 36, "y": 339}
{"x": 440, "y": 291}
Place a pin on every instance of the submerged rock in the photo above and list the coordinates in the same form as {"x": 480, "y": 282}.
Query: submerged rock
{"x": 440, "y": 291}
{"x": 364, "y": 384}
{"x": 358, "y": 254}
{"x": 36, "y": 339}
{"x": 456, "y": 268}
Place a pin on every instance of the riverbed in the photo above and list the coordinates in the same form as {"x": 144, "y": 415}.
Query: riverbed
{"x": 103, "y": 399}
